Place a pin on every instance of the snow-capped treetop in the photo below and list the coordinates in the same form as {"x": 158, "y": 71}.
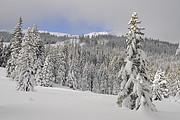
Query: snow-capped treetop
{"x": 134, "y": 24}
{"x": 18, "y": 29}
{"x": 17, "y": 35}
{"x": 15, "y": 47}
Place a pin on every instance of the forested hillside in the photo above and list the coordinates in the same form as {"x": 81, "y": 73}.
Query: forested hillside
{"x": 97, "y": 59}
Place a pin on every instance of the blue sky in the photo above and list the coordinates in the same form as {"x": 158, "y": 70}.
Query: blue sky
{"x": 63, "y": 25}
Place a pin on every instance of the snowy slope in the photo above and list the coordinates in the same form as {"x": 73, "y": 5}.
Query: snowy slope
{"x": 66, "y": 104}
{"x": 69, "y": 35}
{"x": 96, "y": 34}
{"x": 56, "y": 33}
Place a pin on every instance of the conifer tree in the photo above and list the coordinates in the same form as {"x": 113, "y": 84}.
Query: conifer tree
{"x": 92, "y": 70}
{"x": 96, "y": 84}
{"x": 88, "y": 77}
{"x": 15, "y": 47}
{"x": 177, "y": 85}
{"x": 74, "y": 73}
{"x": 160, "y": 89}
{"x": 155, "y": 87}
{"x": 114, "y": 68}
{"x": 174, "y": 80}
{"x": 25, "y": 74}
{"x": 101, "y": 81}
{"x": 1, "y": 51}
{"x": 115, "y": 84}
{"x": 135, "y": 88}
{"x": 48, "y": 73}
{"x": 74, "y": 76}
{"x": 5, "y": 55}
{"x": 71, "y": 81}
{"x": 1, "y": 43}
{"x": 62, "y": 68}
{"x": 39, "y": 53}
{"x": 85, "y": 78}
{"x": 30, "y": 60}
{"x": 178, "y": 50}
{"x": 103, "y": 78}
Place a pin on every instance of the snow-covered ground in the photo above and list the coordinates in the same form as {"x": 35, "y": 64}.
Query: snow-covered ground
{"x": 96, "y": 34}
{"x": 66, "y": 104}
{"x": 58, "y": 34}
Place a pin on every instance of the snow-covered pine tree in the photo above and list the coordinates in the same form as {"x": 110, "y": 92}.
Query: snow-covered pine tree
{"x": 115, "y": 84}
{"x": 111, "y": 82}
{"x": 53, "y": 53}
{"x": 66, "y": 61}
{"x": 25, "y": 76}
{"x": 5, "y": 55}
{"x": 74, "y": 73}
{"x": 174, "y": 80}
{"x": 135, "y": 89}
{"x": 39, "y": 55}
{"x": 57, "y": 61}
{"x": 160, "y": 89}
{"x": 62, "y": 67}
{"x": 155, "y": 87}
{"x": 114, "y": 68}
{"x": 71, "y": 79}
{"x": 177, "y": 86}
{"x": 101, "y": 83}
{"x": 15, "y": 47}
{"x": 178, "y": 50}
{"x": 1, "y": 43}
{"x": 96, "y": 84}
{"x": 82, "y": 60}
{"x": 86, "y": 78}
{"x": 48, "y": 72}
{"x": 92, "y": 71}
{"x": 177, "y": 83}
{"x": 1, "y": 51}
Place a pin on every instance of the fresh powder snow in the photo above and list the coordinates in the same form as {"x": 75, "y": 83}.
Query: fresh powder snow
{"x": 66, "y": 104}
